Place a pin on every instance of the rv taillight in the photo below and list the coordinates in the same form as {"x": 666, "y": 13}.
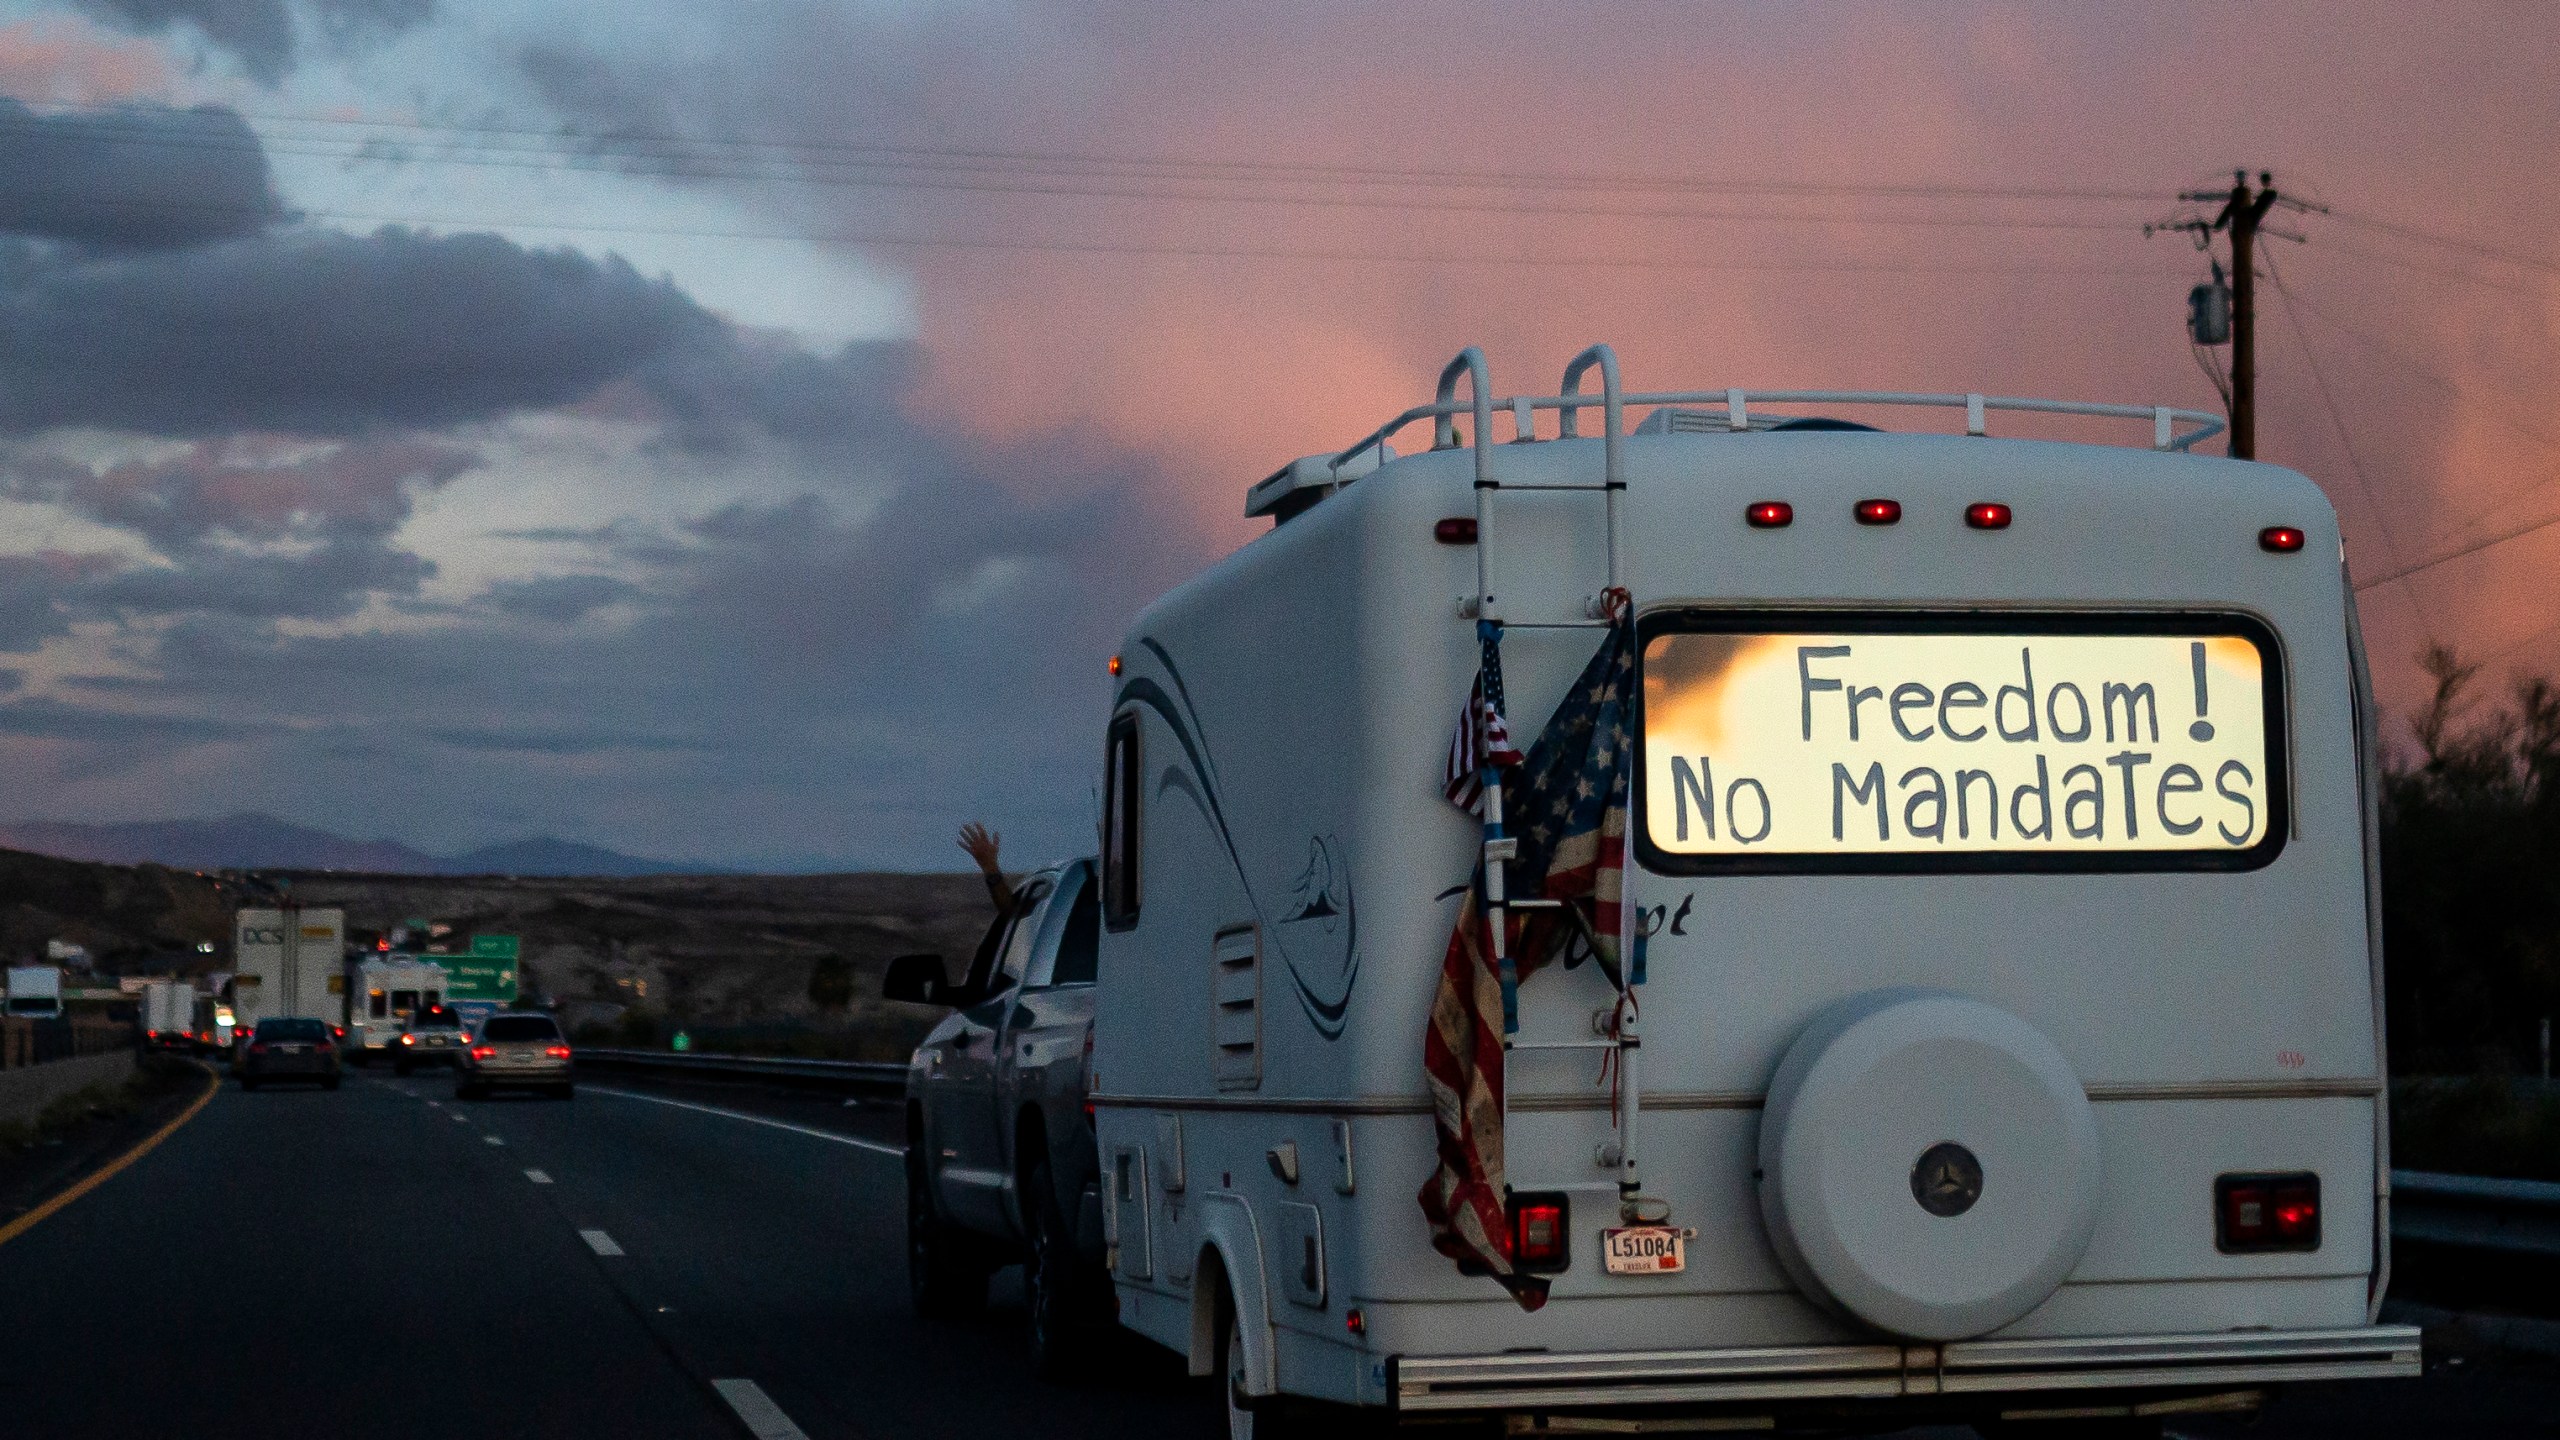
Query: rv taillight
{"x": 1769, "y": 514}
{"x": 1455, "y": 530}
{"x": 2282, "y": 539}
{"x": 2267, "y": 1212}
{"x": 1879, "y": 512}
{"x": 1539, "y": 1232}
{"x": 1987, "y": 515}
{"x": 1115, "y": 664}
{"x": 1355, "y": 1322}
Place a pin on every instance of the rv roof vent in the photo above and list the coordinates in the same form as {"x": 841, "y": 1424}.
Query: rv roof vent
{"x": 1301, "y": 483}
{"x": 1672, "y": 420}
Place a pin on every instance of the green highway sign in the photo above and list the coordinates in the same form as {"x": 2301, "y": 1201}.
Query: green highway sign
{"x": 468, "y": 977}
{"x": 495, "y": 947}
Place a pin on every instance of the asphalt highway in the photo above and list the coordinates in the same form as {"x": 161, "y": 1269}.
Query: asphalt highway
{"x": 383, "y": 1261}
{"x": 643, "y": 1261}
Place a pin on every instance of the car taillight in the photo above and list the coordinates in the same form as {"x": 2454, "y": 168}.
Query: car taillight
{"x": 408, "y": 1039}
{"x": 1539, "y": 1233}
{"x": 2267, "y": 1212}
{"x": 557, "y": 1052}
{"x": 484, "y": 1052}
{"x": 257, "y": 1047}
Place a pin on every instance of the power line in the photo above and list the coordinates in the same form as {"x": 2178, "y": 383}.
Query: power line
{"x": 1070, "y": 186}
{"x": 2355, "y": 466}
{"x": 961, "y": 242}
{"x": 2449, "y": 242}
{"x": 640, "y": 143}
{"x": 2474, "y": 548}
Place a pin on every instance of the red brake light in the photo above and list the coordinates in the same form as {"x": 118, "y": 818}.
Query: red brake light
{"x": 558, "y": 1052}
{"x": 1355, "y": 1322}
{"x": 2267, "y": 1212}
{"x": 1539, "y": 1237}
{"x": 1987, "y": 515}
{"x": 484, "y": 1052}
{"x": 2281, "y": 539}
{"x": 1879, "y": 512}
{"x": 1769, "y": 514}
{"x": 1455, "y": 530}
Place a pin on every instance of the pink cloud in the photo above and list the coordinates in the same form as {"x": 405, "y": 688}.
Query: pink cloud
{"x": 56, "y": 61}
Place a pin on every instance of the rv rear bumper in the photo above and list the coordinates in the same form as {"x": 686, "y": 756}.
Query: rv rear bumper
{"x": 1888, "y": 1372}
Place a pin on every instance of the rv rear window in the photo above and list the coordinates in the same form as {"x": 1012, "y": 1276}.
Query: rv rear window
{"x": 1960, "y": 742}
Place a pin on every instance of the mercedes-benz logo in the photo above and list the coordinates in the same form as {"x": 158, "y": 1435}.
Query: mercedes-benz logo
{"x": 1946, "y": 1179}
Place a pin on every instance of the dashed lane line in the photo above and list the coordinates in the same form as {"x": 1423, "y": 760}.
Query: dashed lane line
{"x": 492, "y": 1139}
{"x": 461, "y": 1119}
{"x": 877, "y": 1147}
{"x": 599, "y": 1242}
{"x": 763, "y": 1418}
{"x": 537, "y": 1177}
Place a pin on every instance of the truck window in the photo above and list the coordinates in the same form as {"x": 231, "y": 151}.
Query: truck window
{"x": 1016, "y": 959}
{"x": 377, "y": 1004}
{"x": 1076, "y": 948}
{"x": 1120, "y": 791}
{"x": 404, "y": 1002}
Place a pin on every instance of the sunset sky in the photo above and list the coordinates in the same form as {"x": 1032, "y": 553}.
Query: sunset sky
{"x": 739, "y": 432}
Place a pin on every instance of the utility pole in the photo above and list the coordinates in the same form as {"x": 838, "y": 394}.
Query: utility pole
{"x": 2243, "y": 207}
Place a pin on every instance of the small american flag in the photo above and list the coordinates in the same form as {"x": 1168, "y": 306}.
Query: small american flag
{"x": 1481, "y": 738}
{"x": 1567, "y": 808}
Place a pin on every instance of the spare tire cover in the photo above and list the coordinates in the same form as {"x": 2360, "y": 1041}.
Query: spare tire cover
{"x": 1928, "y": 1163}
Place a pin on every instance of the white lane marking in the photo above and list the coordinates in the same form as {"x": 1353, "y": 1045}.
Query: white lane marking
{"x": 435, "y": 1104}
{"x": 879, "y": 1147}
{"x": 600, "y": 1242}
{"x": 537, "y": 1177}
{"x": 492, "y": 1139}
{"x": 765, "y": 1419}
{"x": 461, "y": 1119}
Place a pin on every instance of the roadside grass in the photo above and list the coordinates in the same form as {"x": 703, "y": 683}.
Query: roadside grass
{"x": 2476, "y": 1125}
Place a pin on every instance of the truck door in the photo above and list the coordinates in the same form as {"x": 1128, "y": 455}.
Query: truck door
{"x": 973, "y": 1168}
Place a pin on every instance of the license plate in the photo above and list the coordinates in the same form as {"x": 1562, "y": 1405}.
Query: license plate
{"x": 1645, "y": 1250}
{"x": 291, "y": 1049}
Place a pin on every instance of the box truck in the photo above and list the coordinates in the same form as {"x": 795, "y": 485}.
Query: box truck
{"x": 292, "y": 962}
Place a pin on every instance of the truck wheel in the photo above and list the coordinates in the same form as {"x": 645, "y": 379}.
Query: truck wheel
{"x": 942, "y": 1281}
{"x": 1064, "y": 1297}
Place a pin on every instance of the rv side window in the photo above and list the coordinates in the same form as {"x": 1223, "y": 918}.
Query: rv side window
{"x": 377, "y": 1004}
{"x": 404, "y": 1002}
{"x": 1120, "y": 788}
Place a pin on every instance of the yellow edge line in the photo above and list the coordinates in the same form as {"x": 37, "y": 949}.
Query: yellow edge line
{"x": 32, "y": 1218}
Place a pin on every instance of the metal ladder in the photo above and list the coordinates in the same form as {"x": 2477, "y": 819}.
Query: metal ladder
{"x": 1616, "y": 1030}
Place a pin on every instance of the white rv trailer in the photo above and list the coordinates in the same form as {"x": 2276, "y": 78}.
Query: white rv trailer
{"x": 387, "y": 991}
{"x": 292, "y": 962}
{"x": 2003, "y": 861}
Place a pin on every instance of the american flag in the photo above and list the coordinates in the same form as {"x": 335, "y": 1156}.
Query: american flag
{"x": 1481, "y": 739}
{"x": 1567, "y": 807}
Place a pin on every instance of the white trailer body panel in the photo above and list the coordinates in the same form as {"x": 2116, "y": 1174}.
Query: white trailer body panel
{"x": 1294, "y": 707}
{"x": 168, "y": 1007}
{"x": 35, "y": 992}
{"x": 291, "y": 963}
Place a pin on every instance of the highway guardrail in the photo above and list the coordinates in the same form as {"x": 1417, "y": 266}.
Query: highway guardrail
{"x": 864, "y": 1077}
{"x": 2515, "y": 1216}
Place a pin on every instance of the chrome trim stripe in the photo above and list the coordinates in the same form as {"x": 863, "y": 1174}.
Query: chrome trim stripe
{"x": 2318, "y": 1089}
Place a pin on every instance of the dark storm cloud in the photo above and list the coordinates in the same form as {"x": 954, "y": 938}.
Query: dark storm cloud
{"x": 559, "y": 598}
{"x": 137, "y": 175}
{"x": 262, "y": 33}
{"x": 46, "y": 719}
{"x": 321, "y": 333}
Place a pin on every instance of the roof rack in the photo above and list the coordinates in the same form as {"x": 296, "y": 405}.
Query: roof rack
{"x": 2171, "y": 428}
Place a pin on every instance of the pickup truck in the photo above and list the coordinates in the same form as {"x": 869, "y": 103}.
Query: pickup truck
{"x": 1001, "y": 1164}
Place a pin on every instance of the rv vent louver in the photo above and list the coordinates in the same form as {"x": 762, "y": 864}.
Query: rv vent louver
{"x": 1236, "y": 1004}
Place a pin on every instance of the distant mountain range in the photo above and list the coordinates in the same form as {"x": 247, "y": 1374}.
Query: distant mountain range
{"x": 262, "y": 842}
